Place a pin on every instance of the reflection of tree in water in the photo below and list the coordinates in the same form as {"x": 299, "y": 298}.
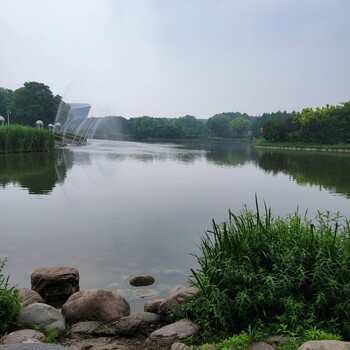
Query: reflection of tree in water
{"x": 233, "y": 154}
{"x": 330, "y": 171}
{"x": 39, "y": 172}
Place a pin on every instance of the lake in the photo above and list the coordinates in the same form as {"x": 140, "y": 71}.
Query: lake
{"x": 115, "y": 210}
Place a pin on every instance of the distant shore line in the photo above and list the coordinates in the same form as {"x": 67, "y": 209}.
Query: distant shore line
{"x": 314, "y": 149}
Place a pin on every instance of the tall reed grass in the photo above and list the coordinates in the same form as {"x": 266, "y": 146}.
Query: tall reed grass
{"x": 18, "y": 138}
{"x": 257, "y": 269}
{"x": 10, "y": 302}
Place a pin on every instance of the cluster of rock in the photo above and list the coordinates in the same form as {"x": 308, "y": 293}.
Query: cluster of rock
{"x": 102, "y": 313}
{"x": 95, "y": 312}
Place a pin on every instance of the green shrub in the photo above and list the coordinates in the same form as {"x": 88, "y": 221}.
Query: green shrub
{"x": 260, "y": 270}
{"x": 10, "y": 302}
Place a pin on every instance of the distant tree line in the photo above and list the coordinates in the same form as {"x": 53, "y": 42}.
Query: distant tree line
{"x": 327, "y": 125}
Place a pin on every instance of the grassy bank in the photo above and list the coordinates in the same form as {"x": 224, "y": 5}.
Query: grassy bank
{"x": 17, "y": 138}
{"x": 270, "y": 275}
{"x": 344, "y": 147}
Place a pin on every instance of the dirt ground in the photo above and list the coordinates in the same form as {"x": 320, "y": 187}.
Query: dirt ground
{"x": 106, "y": 343}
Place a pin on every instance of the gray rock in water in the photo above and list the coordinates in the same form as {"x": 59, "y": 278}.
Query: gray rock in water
{"x": 43, "y": 315}
{"x": 325, "y": 345}
{"x": 56, "y": 283}
{"x": 140, "y": 281}
{"x": 152, "y": 306}
{"x": 33, "y": 347}
{"x": 23, "y": 336}
{"x": 95, "y": 305}
{"x": 172, "y": 333}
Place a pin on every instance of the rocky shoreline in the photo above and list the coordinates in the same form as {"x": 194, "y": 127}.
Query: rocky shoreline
{"x": 101, "y": 319}
{"x": 96, "y": 316}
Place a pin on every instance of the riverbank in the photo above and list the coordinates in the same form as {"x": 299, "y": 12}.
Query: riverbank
{"x": 344, "y": 148}
{"x": 290, "y": 148}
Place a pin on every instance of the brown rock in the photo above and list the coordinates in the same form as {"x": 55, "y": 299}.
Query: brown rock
{"x": 152, "y": 306}
{"x": 180, "y": 346}
{"x": 23, "y": 336}
{"x": 179, "y": 295}
{"x": 172, "y": 333}
{"x": 325, "y": 345}
{"x": 140, "y": 281}
{"x": 141, "y": 323}
{"x": 95, "y": 305}
{"x": 30, "y": 296}
{"x": 87, "y": 327}
{"x": 260, "y": 345}
{"x": 93, "y": 328}
{"x": 55, "y": 283}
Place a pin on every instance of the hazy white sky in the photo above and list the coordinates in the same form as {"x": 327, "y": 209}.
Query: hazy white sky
{"x": 169, "y": 58}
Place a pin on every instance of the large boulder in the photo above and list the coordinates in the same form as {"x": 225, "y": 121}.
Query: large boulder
{"x": 43, "y": 315}
{"x": 172, "y": 333}
{"x": 260, "y": 345}
{"x": 55, "y": 283}
{"x": 23, "y": 336}
{"x": 180, "y": 346}
{"x": 325, "y": 345}
{"x": 136, "y": 324}
{"x": 93, "y": 328}
{"x": 95, "y": 305}
{"x": 178, "y": 296}
{"x": 30, "y": 296}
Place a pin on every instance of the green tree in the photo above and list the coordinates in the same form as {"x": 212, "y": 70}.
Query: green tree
{"x": 34, "y": 101}
{"x": 166, "y": 132}
{"x": 5, "y": 101}
{"x": 274, "y": 130}
{"x": 218, "y": 124}
{"x": 191, "y": 127}
{"x": 239, "y": 126}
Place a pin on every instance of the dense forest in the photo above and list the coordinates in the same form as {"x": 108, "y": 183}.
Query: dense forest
{"x": 326, "y": 125}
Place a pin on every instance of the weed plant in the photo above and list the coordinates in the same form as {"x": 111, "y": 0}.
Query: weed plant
{"x": 10, "y": 302}
{"x": 281, "y": 273}
{"x": 18, "y": 138}
{"x": 244, "y": 339}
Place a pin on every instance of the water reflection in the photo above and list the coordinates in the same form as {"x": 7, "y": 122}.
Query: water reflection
{"x": 37, "y": 172}
{"x": 40, "y": 172}
{"x": 329, "y": 171}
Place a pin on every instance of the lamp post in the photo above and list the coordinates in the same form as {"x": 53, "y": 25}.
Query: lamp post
{"x": 8, "y": 116}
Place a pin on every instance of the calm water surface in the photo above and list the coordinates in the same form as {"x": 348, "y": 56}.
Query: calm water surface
{"x": 115, "y": 209}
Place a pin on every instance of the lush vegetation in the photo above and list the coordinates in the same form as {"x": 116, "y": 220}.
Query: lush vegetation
{"x": 282, "y": 274}
{"x": 10, "y": 302}
{"x": 328, "y": 125}
{"x": 18, "y": 138}
{"x": 291, "y": 341}
{"x": 31, "y": 102}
